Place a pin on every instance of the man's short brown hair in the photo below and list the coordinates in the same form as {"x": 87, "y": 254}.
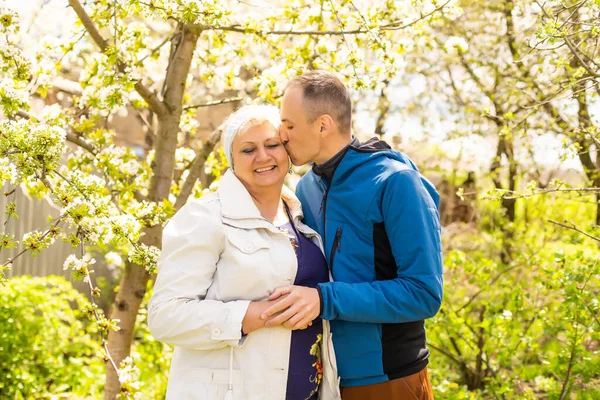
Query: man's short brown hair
{"x": 324, "y": 93}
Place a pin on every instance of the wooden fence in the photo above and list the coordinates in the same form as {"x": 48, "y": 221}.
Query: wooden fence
{"x": 33, "y": 214}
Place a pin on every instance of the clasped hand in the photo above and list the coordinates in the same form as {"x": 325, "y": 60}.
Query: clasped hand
{"x": 298, "y": 307}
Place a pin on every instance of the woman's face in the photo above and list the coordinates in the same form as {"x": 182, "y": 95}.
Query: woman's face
{"x": 259, "y": 158}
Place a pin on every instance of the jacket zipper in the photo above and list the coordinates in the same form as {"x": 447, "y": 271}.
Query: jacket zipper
{"x": 336, "y": 248}
{"x": 323, "y": 207}
{"x": 324, "y": 199}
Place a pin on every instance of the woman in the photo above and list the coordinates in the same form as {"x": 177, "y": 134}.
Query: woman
{"x": 222, "y": 256}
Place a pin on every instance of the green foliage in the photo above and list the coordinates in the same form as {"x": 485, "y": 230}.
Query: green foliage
{"x": 152, "y": 357}
{"x": 47, "y": 345}
{"x": 523, "y": 329}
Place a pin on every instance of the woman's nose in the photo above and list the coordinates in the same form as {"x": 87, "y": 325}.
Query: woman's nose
{"x": 262, "y": 153}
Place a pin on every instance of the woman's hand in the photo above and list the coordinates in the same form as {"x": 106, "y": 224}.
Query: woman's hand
{"x": 252, "y": 320}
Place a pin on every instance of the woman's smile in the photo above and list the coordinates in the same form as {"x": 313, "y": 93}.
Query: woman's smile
{"x": 265, "y": 170}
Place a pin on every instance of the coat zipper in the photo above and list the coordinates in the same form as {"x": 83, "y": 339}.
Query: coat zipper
{"x": 336, "y": 248}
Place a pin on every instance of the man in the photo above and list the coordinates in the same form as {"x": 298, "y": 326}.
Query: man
{"x": 380, "y": 226}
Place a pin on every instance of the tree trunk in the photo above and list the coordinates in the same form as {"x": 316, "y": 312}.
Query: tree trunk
{"x": 598, "y": 210}
{"x": 132, "y": 289}
{"x": 510, "y": 204}
{"x": 383, "y": 107}
{"x": 505, "y": 147}
{"x": 591, "y": 168}
{"x": 135, "y": 278}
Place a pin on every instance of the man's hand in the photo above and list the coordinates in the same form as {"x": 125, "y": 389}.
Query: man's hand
{"x": 297, "y": 310}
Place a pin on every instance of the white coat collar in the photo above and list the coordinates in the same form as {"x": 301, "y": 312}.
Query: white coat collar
{"x": 237, "y": 204}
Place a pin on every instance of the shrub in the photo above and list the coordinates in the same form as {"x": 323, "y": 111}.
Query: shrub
{"x": 47, "y": 344}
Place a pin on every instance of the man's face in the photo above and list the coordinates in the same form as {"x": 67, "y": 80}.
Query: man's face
{"x": 301, "y": 138}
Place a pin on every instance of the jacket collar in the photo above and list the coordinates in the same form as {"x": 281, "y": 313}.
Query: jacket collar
{"x": 327, "y": 169}
{"x": 237, "y": 204}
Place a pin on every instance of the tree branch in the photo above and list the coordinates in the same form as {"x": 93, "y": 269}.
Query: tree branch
{"x": 213, "y": 103}
{"x": 550, "y": 109}
{"x": 446, "y": 353}
{"x": 95, "y": 311}
{"x": 155, "y": 104}
{"x": 79, "y": 141}
{"x": 154, "y": 50}
{"x": 573, "y": 227}
{"x": 67, "y": 86}
{"x": 183, "y": 44}
{"x": 197, "y": 166}
{"x": 498, "y": 276}
{"x": 511, "y": 194}
{"x": 392, "y": 26}
{"x": 52, "y": 228}
{"x": 71, "y": 136}
{"x": 564, "y": 390}
{"x": 474, "y": 76}
{"x": 574, "y": 50}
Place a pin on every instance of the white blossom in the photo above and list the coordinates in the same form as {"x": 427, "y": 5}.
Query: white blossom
{"x": 506, "y": 314}
{"x": 74, "y": 263}
{"x": 8, "y": 171}
{"x": 113, "y": 258}
{"x": 456, "y": 44}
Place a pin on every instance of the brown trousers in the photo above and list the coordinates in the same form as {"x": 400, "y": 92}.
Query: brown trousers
{"x": 412, "y": 387}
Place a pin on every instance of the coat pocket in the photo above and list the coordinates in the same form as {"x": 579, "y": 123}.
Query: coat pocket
{"x": 205, "y": 383}
{"x": 247, "y": 242}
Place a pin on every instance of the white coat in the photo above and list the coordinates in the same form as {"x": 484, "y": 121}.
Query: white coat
{"x": 218, "y": 254}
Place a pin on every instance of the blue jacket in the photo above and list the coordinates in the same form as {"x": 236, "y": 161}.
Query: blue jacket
{"x": 379, "y": 221}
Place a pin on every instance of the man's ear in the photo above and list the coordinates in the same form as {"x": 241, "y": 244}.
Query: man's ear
{"x": 326, "y": 123}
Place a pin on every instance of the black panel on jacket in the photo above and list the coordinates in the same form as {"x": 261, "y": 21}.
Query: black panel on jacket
{"x": 403, "y": 345}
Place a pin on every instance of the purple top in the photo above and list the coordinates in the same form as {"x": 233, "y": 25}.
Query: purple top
{"x": 306, "y": 370}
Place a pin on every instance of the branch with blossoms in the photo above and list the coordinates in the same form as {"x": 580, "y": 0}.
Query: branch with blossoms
{"x": 81, "y": 199}
{"x": 554, "y": 186}
{"x": 80, "y": 269}
{"x": 553, "y": 28}
{"x": 391, "y": 26}
{"x": 71, "y": 135}
{"x": 76, "y": 211}
{"x": 191, "y": 13}
{"x": 126, "y": 371}
{"x": 150, "y": 97}
{"x": 146, "y": 256}
{"x": 33, "y": 242}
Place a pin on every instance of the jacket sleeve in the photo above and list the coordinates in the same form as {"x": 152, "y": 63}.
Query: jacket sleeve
{"x": 179, "y": 312}
{"x": 412, "y": 225}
